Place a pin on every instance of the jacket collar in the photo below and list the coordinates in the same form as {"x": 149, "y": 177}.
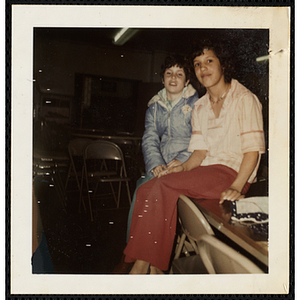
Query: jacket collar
{"x": 161, "y": 96}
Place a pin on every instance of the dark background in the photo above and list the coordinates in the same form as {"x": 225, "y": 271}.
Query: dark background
{"x": 124, "y": 78}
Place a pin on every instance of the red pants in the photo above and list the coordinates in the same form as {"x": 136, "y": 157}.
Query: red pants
{"x": 154, "y": 218}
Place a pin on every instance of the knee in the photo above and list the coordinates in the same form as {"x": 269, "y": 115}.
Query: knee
{"x": 166, "y": 181}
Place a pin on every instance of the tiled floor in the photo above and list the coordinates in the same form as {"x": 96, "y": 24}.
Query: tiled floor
{"x": 77, "y": 245}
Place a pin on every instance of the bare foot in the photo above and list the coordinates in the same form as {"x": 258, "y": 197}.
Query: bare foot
{"x": 140, "y": 267}
{"x": 154, "y": 270}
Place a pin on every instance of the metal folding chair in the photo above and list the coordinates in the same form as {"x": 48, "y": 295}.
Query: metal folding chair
{"x": 104, "y": 163}
{"x": 211, "y": 256}
{"x": 75, "y": 149}
{"x": 193, "y": 225}
{"x": 49, "y": 164}
{"x": 219, "y": 258}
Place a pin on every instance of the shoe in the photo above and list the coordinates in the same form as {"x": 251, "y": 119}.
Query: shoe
{"x": 122, "y": 267}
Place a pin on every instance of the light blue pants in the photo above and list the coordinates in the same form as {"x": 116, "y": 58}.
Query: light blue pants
{"x": 143, "y": 179}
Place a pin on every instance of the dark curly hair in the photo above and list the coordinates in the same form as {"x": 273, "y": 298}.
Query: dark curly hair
{"x": 176, "y": 60}
{"x": 221, "y": 53}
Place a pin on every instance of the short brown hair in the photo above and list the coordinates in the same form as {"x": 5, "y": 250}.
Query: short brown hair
{"x": 176, "y": 60}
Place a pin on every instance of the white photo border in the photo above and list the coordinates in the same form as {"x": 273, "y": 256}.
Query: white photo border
{"x": 24, "y": 19}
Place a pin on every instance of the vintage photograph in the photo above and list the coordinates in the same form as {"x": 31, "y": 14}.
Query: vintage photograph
{"x": 91, "y": 89}
{"x": 150, "y": 152}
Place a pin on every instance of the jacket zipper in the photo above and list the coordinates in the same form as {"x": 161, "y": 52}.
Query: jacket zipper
{"x": 169, "y": 126}
{"x": 169, "y": 123}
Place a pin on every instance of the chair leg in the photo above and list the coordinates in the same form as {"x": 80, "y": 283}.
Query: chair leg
{"x": 77, "y": 180}
{"x": 91, "y": 212}
{"x": 194, "y": 245}
{"x": 89, "y": 197}
{"x": 68, "y": 175}
{"x": 81, "y": 197}
{"x": 180, "y": 246}
{"x": 119, "y": 194}
{"x": 187, "y": 248}
{"x": 113, "y": 191}
{"x": 61, "y": 190}
{"x": 90, "y": 204}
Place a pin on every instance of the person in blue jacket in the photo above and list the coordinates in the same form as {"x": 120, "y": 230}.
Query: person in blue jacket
{"x": 168, "y": 126}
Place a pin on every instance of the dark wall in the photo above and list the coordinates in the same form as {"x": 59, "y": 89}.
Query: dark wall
{"x": 60, "y": 54}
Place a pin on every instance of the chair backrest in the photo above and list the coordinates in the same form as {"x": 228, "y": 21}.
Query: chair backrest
{"x": 101, "y": 149}
{"x": 76, "y": 146}
{"x": 193, "y": 223}
{"x": 219, "y": 258}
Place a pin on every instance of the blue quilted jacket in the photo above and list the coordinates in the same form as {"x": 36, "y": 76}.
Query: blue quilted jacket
{"x": 168, "y": 129}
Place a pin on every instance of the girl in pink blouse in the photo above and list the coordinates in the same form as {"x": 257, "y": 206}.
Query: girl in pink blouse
{"x": 226, "y": 144}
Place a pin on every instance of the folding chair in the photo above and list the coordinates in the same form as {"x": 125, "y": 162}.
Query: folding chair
{"x": 104, "y": 163}
{"x": 75, "y": 149}
{"x": 50, "y": 164}
{"x": 193, "y": 224}
{"x": 219, "y": 258}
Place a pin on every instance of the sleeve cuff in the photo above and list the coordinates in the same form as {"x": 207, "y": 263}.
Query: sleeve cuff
{"x": 197, "y": 143}
{"x": 253, "y": 141}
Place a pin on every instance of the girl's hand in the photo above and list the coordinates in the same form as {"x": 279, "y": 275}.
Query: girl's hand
{"x": 231, "y": 194}
{"x": 157, "y": 170}
{"x": 247, "y": 166}
{"x": 171, "y": 170}
{"x": 174, "y": 163}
